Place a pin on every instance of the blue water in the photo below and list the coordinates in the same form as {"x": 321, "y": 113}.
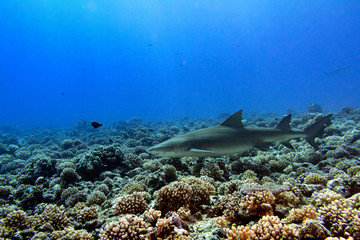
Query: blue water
{"x": 61, "y": 61}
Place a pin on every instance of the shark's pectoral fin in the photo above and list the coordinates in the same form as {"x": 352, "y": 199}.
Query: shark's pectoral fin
{"x": 288, "y": 145}
{"x": 262, "y": 146}
{"x": 201, "y": 150}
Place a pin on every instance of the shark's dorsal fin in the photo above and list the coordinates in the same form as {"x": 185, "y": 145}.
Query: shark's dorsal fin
{"x": 284, "y": 124}
{"x": 234, "y": 121}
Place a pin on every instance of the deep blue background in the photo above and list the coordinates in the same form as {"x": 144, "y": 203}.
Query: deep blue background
{"x": 61, "y": 60}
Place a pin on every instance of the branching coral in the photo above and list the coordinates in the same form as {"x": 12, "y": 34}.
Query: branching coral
{"x": 126, "y": 228}
{"x": 85, "y": 214}
{"x": 299, "y": 215}
{"x": 287, "y": 198}
{"x": 229, "y": 187}
{"x": 342, "y": 218}
{"x": 229, "y": 205}
{"x": 220, "y": 222}
{"x": 313, "y": 230}
{"x": 324, "y": 197}
{"x": 133, "y": 203}
{"x": 201, "y": 192}
{"x": 270, "y": 227}
{"x": 184, "y": 213}
{"x": 152, "y": 216}
{"x": 96, "y": 198}
{"x": 258, "y": 203}
{"x": 315, "y": 178}
{"x": 131, "y": 187}
{"x": 173, "y": 196}
{"x": 212, "y": 170}
{"x": 16, "y": 220}
{"x": 52, "y": 217}
{"x": 237, "y": 208}
{"x": 267, "y": 228}
{"x": 71, "y": 233}
{"x": 169, "y": 228}
{"x": 240, "y": 233}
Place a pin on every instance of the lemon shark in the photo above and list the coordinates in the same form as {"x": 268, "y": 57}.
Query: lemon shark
{"x": 232, "y": 137}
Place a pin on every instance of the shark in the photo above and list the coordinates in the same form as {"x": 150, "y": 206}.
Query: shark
{"x": 233, "y": 137}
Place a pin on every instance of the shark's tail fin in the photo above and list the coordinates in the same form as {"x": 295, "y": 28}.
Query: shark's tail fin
{"x": 316, "y": 129}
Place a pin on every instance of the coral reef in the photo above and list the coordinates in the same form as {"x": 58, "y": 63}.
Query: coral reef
{"x": 79, "y": 183}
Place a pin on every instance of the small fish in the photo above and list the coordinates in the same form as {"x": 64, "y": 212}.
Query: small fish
{"x": 151, "y": 130}
{"x": 62, "y": 93}
{"x": 337, "y": 70}
{"x": 96, "y": 124}
{"x": 149, "y": 45}
{"x": 110, "y": 140}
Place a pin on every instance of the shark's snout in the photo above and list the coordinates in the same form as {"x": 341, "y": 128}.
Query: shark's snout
{"x": 164, "y": 149}
{"x": 156, "y": 150}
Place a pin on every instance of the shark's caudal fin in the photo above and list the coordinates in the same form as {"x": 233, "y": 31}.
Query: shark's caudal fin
{"x": 316, "y": 129}
{"x": 284, "y": 125}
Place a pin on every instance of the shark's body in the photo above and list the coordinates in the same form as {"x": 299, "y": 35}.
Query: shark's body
{"x": 232, "y": 137}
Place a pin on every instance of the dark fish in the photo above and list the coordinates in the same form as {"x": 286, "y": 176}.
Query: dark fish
{"x": 149, "y": 45}
{"x": 337, "y": 70}
{"x": 96, "y": 124}
{"x": 151, "y": 130}
{"x": 62, "y": 93}
{"x": 110, "y": 140}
